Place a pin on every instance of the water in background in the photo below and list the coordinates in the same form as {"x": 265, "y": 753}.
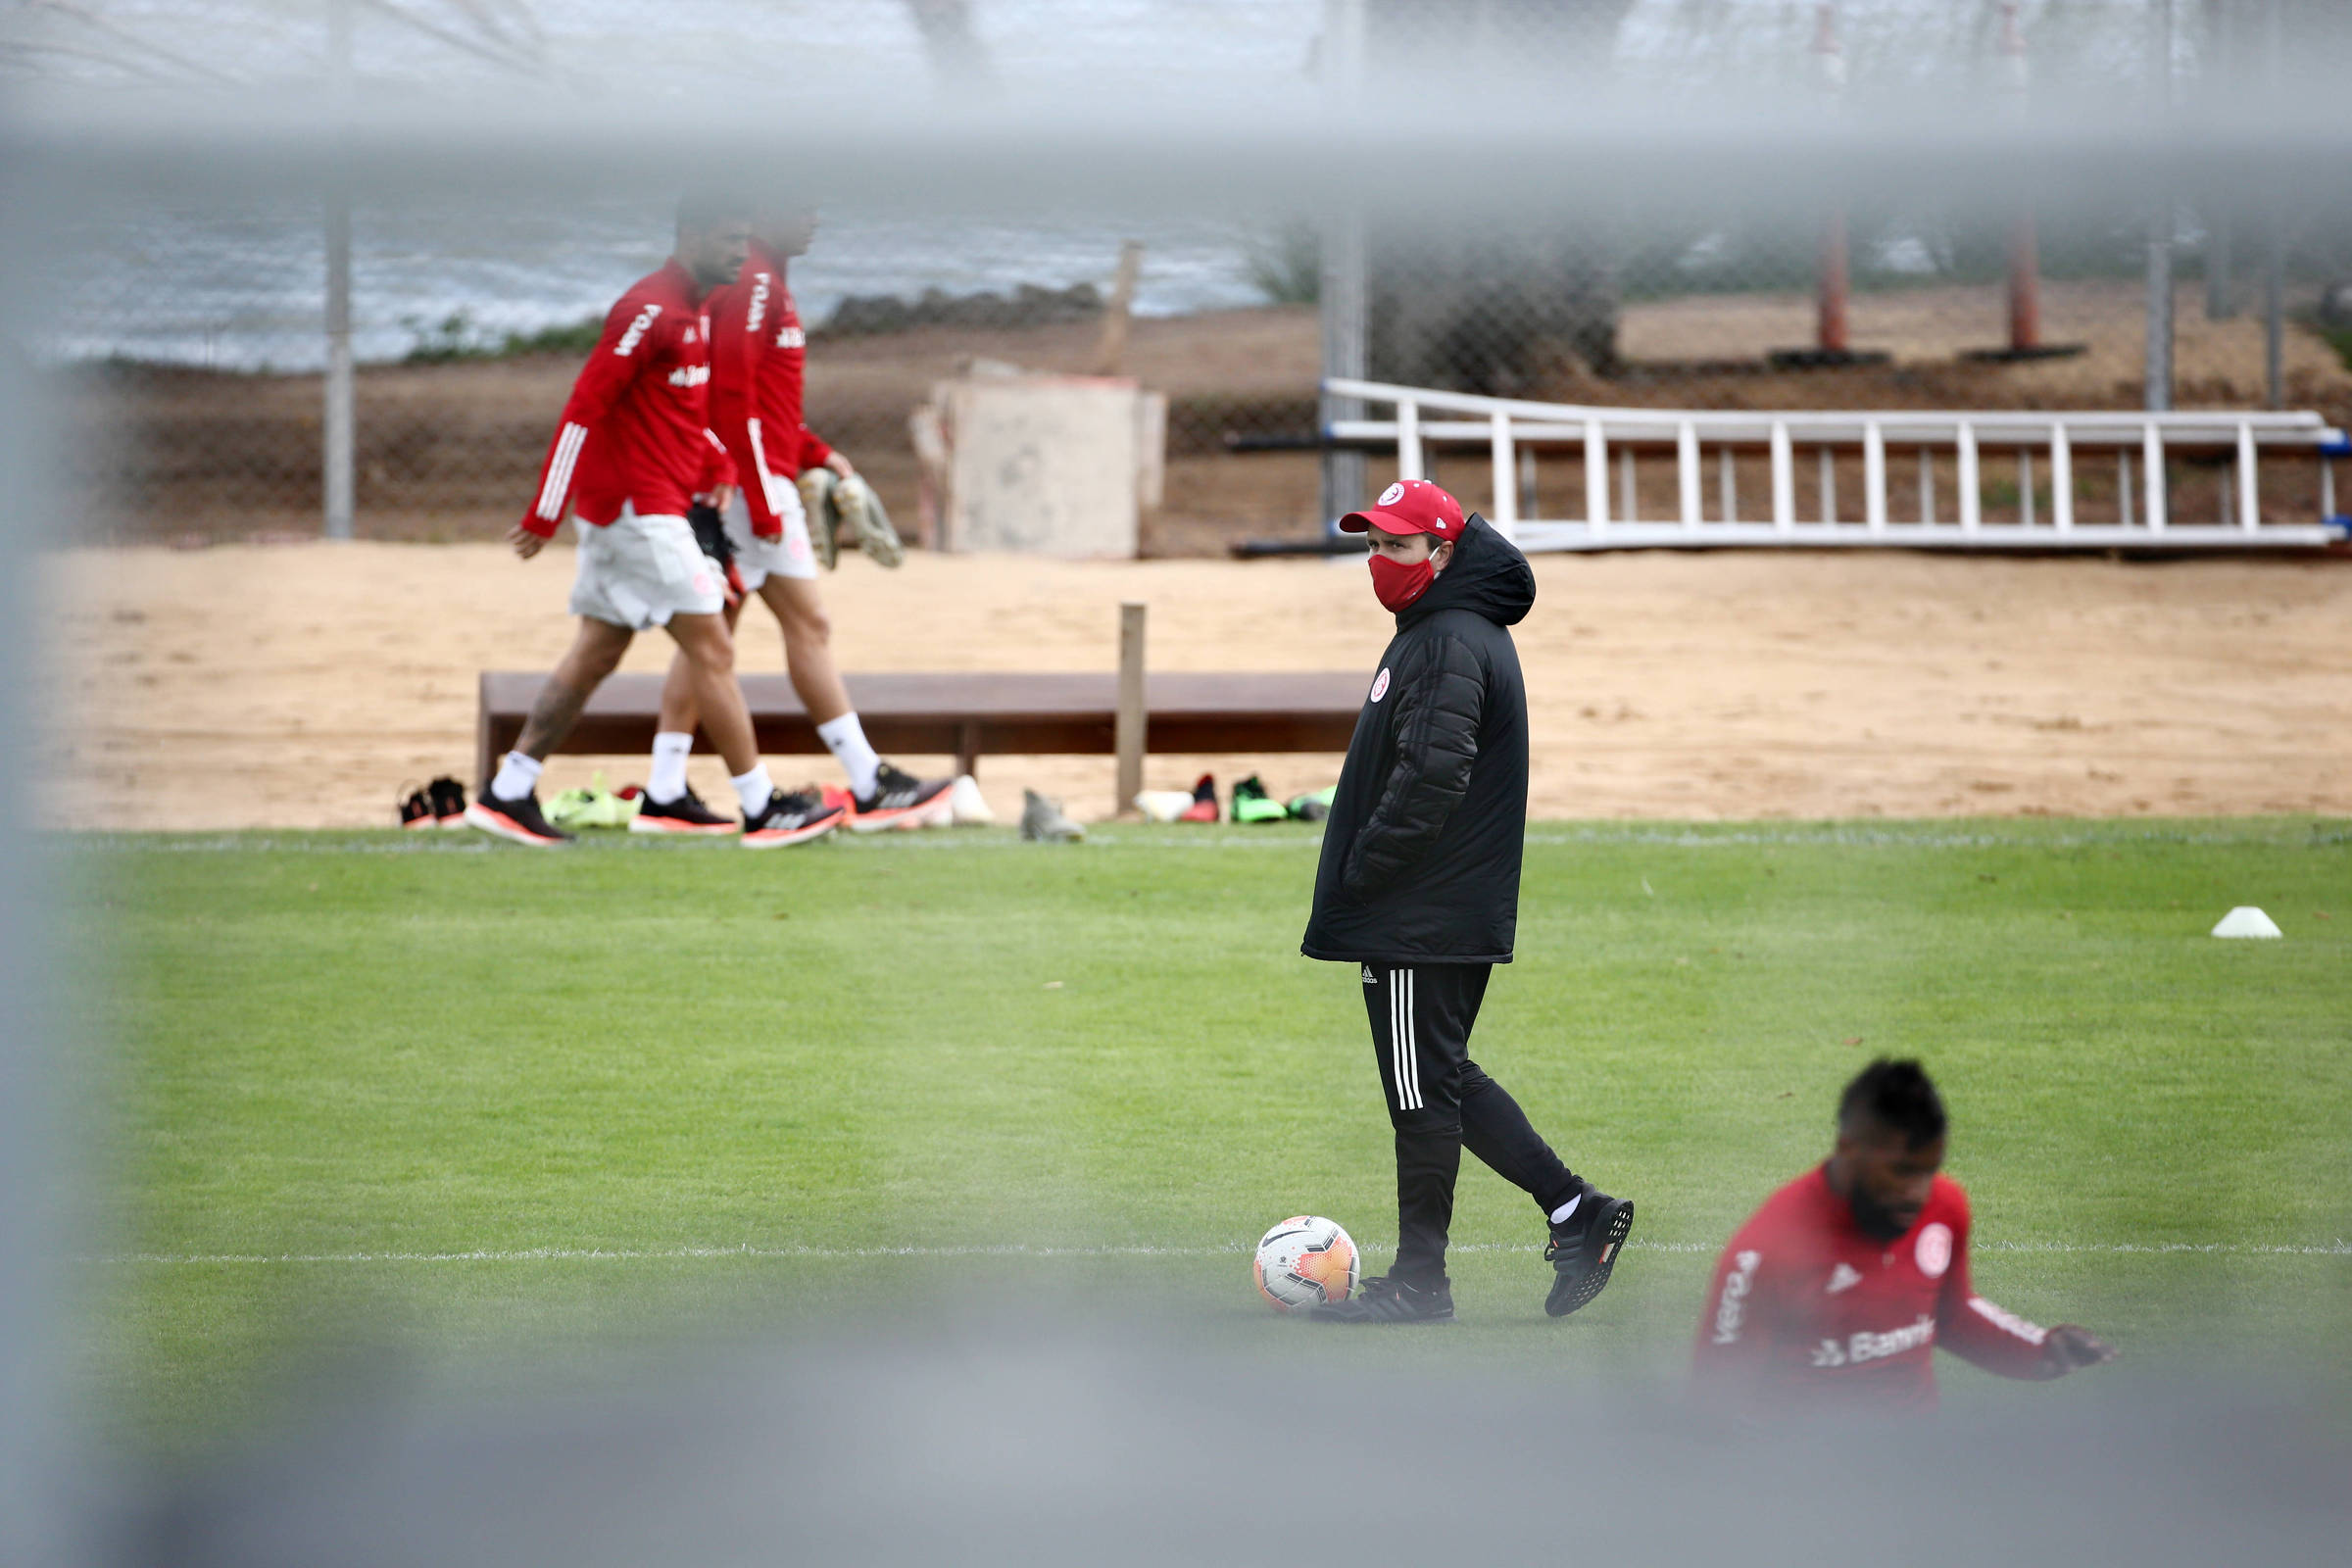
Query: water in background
{"x": 197, "y": 287}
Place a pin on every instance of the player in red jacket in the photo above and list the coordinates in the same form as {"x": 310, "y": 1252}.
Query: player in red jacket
{"x": 632, "y": 452}
{"x": 1836, "y": 1294}
{"x": 758, "y": 355}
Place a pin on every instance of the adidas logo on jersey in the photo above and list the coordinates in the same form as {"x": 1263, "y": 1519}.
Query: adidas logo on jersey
{"x": 1845, "y": 1277}
{"x": 690, "y": 375}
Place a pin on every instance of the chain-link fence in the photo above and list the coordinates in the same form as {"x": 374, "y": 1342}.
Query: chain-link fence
{"x": 189, "y": 346}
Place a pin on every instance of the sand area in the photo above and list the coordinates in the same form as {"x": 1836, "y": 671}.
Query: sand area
{"x": 298, "y": 685}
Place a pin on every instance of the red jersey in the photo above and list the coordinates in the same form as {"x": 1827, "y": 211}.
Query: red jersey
{"x": 1808, "y": 1311}
{"x": 636, "y": 430}
{"x": 758, "y": 362}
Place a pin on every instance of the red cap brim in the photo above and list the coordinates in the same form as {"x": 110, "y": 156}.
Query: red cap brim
{"x": 1385, "y": 521}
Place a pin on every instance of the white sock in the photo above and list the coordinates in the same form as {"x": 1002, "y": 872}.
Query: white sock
{"x": 517, "y": 777}
{"x": 668, "y": 781}
{"x": 845, "y": 738}
{"x": 1561, "y": 1213}
{"x": 753, "y": 789}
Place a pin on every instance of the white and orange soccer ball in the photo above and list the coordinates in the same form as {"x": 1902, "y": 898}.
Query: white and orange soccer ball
{"x": 1305, "y": 1261}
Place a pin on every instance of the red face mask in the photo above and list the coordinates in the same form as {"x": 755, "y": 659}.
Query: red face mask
{"x": 1397, "y": 584}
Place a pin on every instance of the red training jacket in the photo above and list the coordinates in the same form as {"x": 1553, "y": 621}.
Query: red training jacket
{"x": 758, "y": 361}
{"x": 636, "y": 430}
{"x": 1808, "y": 1312}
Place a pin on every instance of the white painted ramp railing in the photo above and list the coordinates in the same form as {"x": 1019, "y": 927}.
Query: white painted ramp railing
{"x": 2142, "y": 447}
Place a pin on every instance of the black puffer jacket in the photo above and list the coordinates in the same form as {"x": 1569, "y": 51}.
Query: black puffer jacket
{"x": 1421, "y": 851}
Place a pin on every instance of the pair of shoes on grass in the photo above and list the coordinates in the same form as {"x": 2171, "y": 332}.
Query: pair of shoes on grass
{"x": 594, "y": 805}
{"x": 440, "y": 804}
{"x": 1044, "y": 822}
{"x": 1251, "y": 803}
{"x": 1582, "y": 1251}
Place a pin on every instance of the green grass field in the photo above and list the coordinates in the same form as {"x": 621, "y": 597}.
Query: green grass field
{"x": 468, "y": 1099}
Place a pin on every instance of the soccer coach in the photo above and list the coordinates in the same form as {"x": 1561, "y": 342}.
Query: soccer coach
{"x": 1419, "y": 885}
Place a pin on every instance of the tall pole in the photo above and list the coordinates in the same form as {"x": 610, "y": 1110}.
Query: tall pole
{"x": 1833, "y": 278}
{"x": 2024, "y": 250}
{"x": 2219, "y": 211}
{"x": 338, "y": 419}
{"x": 2157, "y": 365}
{"x": 2273, "y": 228}
{"x": 1344, "y": 288}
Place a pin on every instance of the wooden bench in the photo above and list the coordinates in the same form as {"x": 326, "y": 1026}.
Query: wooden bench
{"x": 967, "y": 714}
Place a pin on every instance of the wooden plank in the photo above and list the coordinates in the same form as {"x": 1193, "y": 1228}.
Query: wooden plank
{"x": 966, "y": 714}
{"x": 1129, "y": 725}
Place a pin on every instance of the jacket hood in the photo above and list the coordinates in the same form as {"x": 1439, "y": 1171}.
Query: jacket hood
{"x": 1488, "y": 575}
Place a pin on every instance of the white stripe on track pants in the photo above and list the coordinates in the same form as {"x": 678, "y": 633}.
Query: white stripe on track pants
{"x": 1440, "y": 1101}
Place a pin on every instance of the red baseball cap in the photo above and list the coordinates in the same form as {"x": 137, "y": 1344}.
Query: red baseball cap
{"x": 1409, "y": 506}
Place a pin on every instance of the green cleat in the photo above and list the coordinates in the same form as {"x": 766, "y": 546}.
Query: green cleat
{"x": 1314, "y": 808}
{"x": 1251, "y": 805}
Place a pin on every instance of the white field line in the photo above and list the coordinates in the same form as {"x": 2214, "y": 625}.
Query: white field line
{"x": 1665, "y": 835}
{"x": 599, "y": 1255}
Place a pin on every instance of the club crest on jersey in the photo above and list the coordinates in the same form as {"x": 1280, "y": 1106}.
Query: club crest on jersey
{"x": 1934, "y": 1252}
{"x": 1392, "y": 495}
{"x": 792, "y": 336}
{"x": 1380, "y": 684}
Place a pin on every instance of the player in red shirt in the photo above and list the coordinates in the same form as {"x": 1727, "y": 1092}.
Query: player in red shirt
{"x": 632, "y": 452}
{"x": 1833, "y": 1296}
{"x": 758, "y": 356}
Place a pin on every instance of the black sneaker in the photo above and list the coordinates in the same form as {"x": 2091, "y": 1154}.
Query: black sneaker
{"x": 1385, "y": 1299}
{"x": 1584, "y": 1247}
{"x": 416, "y": 810}
{"x": 685, "y": 815}
{"x": 448, "y": 798}
{"x": 515, "y": 821}
{"x": 901, "y": 800}
{"x": 793, "y": 818}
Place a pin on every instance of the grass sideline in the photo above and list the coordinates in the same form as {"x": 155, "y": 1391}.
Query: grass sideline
{"x": 470, "y": 1100}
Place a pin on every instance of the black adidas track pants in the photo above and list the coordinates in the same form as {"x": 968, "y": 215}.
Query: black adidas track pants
{"x": 1440, "y": 1102}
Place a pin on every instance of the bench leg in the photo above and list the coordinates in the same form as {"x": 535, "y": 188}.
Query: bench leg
{"x": 967, "y": 750}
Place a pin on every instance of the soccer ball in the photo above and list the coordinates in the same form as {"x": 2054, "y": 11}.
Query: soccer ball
{"x": 1302, "y": 1262}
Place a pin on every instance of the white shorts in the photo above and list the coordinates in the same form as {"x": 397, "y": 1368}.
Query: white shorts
{"x": 756, "y": 559}
{"x": 639, "y": 571}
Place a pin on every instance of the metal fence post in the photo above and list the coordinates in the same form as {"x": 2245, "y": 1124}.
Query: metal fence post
{"x": 2157, "y": 365}
{"x": 338, "y": 413}
{"x": 2274, "y": 231}
{"x": 337, "y": 458}
{"x": 1344, "y": 285}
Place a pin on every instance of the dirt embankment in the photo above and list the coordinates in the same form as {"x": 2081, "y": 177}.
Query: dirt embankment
{"x": 295, "y": 686}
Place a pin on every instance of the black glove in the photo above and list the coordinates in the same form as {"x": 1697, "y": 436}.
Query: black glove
{"x": 710, "y": 533}
{"x": 711, "y": 538}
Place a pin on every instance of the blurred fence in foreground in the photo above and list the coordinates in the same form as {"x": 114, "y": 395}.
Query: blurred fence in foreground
{"x": 189, "y": 340}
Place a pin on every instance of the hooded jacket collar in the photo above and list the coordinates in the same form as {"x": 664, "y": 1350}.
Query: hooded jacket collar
{"x": 1488, "y": 577}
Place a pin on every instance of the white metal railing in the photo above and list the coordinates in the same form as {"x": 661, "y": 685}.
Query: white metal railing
{"x": 1509, "y": 426}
